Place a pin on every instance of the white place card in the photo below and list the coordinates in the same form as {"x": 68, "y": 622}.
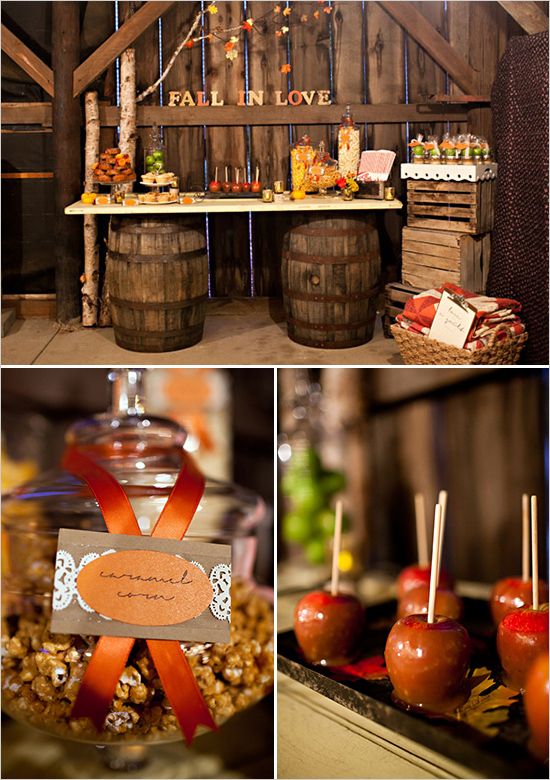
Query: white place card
{"x": 453, "y": 320}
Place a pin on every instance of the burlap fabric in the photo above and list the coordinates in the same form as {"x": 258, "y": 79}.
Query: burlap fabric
{"x": 519, "y": 265}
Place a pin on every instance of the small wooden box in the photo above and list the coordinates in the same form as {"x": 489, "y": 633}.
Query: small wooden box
{"x": 396, "y": 296}
{"x": 433, "y": 257}
{"x": 461, "y": 206}
{"x": 371, "y": 190}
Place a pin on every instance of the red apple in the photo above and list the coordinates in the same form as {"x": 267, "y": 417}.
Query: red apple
{"x": 535, "y": 700}
{"x": 415, "y": 602}
{"x": 214, "y": 186}
{"x": 256, "y": 186}
{"x": 521, "y": 636}
{"x": 329, "y": 628}
{"x": 235, "y": 187}
{"x": 226, "y": 186}
{"x": 427, "y": 662}
{"x": 246, "y": 186}
{"x": 513, "y": 593}
{"x": 413, "y": 576}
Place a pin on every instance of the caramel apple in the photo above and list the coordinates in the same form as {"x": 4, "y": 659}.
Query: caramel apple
{"x": 328, "y": 628}
{"x": 427, "y": 662}
{"x": 513, "y": 593}
{"x": 413, "y": 576}
{"x": 415, "y": 602}
{"x": 535, "y": 701}
{"x": 522, "y": 635}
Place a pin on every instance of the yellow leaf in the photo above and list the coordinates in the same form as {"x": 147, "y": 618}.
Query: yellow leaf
{"x": 487, "y": 708}
{"x": 212, "y": 9}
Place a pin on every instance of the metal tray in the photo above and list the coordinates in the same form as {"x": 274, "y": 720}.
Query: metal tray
{"x": 500, "y": 756}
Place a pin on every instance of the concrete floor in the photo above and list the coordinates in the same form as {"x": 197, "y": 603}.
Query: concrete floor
{"x": 237, "y": 332}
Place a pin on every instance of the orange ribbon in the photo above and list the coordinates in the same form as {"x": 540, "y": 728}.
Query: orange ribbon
{"x": 111, "y": 653}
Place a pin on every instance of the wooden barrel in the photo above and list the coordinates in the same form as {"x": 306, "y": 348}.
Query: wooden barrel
{"x": 158, "y": 282}
{"x": 331, "y": 275}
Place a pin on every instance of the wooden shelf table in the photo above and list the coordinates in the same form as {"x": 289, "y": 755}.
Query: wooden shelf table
{"x": 330, "y": 259}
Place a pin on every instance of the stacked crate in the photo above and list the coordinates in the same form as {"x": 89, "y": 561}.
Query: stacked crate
{"x": 448, "y": 233}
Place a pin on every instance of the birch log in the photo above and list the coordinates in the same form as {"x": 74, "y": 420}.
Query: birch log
{"x": 128, "y": 106}
{"x": 90, "y": 277}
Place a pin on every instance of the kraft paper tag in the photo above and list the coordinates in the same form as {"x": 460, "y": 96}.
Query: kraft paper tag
{"x": 141, "y": 587}
{"x": 453, "y": 320}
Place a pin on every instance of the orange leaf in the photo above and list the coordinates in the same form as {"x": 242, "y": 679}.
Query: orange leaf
{"x": 229, "y": 45}
{"x": 316, "y": 14}
{"x": 287, "y": 11}
{"x": 327, "y": 9}
{"x": 285, "y": 68}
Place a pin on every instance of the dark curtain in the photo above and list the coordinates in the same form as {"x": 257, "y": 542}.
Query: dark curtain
{"x": 519, "y": 265}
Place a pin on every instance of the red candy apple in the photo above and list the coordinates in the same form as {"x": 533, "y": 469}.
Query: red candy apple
{"x": 535, "y": 700}
{"x": 246, "y": 186}
{"x": 415, "y": 602}
{"x": 413, "y": 576}
{"x": 513, "y": 593}
{"x": 226, "y": 186}
{"x": 256, "y": 186}
{"x": 427, "y": 662}
{"x": 235, "y": 187}
{"x": 329, "y": 628}
{"x": 522, "y": 635}
{"x": 214, "y": 186}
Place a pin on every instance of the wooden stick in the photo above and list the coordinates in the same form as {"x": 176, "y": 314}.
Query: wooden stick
{"x": 535, "y": 551}
{"x": 442, "y": 501}
{"x": 238, "y": 170}
{"x": 90, "y": 277}
{"x": 257, "y": 173}
{"x": 525, "y": 547}
{"x": 336, "y": 549}
{"x": 216, "y": 173}
{"x": 436, "y": 556}
{"x": 226, "y": 173}
{"x": 421, "y": 534}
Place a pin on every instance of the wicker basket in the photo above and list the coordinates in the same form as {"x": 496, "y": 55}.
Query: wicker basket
{"x": 420, "y": 351}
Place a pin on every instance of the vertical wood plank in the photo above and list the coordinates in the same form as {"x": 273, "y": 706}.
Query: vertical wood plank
{"x": 310, "y": 59}
{"x": 229, "y": 233}
{"x": 269, "y": 146}
{"x": 386, "y": 84}
{"x": 425, "y": 76}
{"x": 185, "y": 147}
{"x": 348, "y": 75}
{"x": 66, "y": 155}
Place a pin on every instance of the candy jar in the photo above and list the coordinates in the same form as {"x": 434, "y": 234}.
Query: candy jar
{"x": 348, "y": 145}
{"x": 301, "y": 157}
{"x": 155, "y": 152}
{"x": 43, "y": 671}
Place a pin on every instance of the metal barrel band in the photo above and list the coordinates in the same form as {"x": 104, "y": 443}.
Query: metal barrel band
{"x": 170, "y": 258}
{"x": 332, "y": 232}
{"x": 326, "y": 327}
{"x": 165, "y": 228}
{"x": 180, "y": 332}
{"x": 157, "y": 305}
{"x": 317, "y": 298}
{"x": 302, "y": 257}
{"x": 347, "y": 344}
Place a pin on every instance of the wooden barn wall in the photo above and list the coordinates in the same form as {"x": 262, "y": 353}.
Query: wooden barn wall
{"x": 357, "y": 52}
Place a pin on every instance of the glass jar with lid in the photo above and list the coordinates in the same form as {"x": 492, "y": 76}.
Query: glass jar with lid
{"x": 42, "y": 671}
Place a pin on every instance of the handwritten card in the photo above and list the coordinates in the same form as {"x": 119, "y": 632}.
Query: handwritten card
{"x": 142, "y": 587}
{"x": 453, "y": 320}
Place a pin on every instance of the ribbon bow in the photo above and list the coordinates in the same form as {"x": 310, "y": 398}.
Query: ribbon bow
{"x": 111, "y": 654}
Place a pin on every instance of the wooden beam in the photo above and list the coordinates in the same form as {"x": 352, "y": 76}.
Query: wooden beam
{"x": 27, "y": 60}
{"x": 235, "y": 116}
{"x": 66, "y": 155}
{"x": 107, "y": 53}
{"x": 528, "y": 15}
{"x": 418, "y": 27}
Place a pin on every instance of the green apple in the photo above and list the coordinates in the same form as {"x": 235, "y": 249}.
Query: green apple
{"x": 296, "y": 528}
{"x": 149, "y": 160}
{"x": 158, "y": 154}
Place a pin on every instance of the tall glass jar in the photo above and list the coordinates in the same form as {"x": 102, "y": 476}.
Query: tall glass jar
{"x": 155, "y": 152}
{"x": 42, "y": 671}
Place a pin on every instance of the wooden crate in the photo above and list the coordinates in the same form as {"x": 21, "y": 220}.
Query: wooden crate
{"x": 433, "y": 257}
{"x": 460, "y": 206}
{"x": 396, "y": 296}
